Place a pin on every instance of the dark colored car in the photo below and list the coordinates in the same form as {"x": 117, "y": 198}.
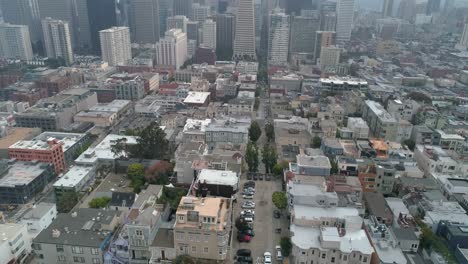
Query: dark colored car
{"x": 244, "y": 259}
{"x": 249, "y": 184}
{"x": 260, "y": 177}
{"x": 244, "y": 252}
{"x": 276, "y": 214}
{"x": 268, "y": 177}
{"x": 249, "y": 176}
{"x": 248, "y": 232}
{"x": 255, "y": 177}
{"x": 243, "y": 238}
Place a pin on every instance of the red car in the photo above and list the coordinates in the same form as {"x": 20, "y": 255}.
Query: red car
{"x": 243, "y": 238}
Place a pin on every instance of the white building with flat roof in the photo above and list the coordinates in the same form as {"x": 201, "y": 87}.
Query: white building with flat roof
{"x": 15, "y": 243}
{"x": 116, "y": 45}
{"x": 102, "y": 153}
{"x": 197, "y": 98}
{"x": 359, "y": 127}
{"x": 39, "y": 217}
{"x": 219, "y": 177}
{"x": 74, "y": 180}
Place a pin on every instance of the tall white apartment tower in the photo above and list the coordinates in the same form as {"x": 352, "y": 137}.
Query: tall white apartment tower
{"x": 344, "y": 19}
{"x": 57, "y": 40}
{"x": 278, "y": 37}
{"x": 15, "y": 42}
{"x": 244, "y": 39}
{"x": 172, "y": 49}
{"x": 115, "y": 45}
{"x": 208, "y": 38}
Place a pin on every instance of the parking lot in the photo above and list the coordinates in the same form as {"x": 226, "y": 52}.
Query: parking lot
{"x": 265, "y": 224}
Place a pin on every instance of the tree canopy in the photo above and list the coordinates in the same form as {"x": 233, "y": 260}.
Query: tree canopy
{"x": 67, "y": 201}
{"x": 286, "y": 246}
{"x": 255, "y": 131}
{"x": 159, "y": 173}
{"x": 279, "y": 200}
{"x": 100, "y": 202}
{"x": 269, "y": 158}
{"x": 316, "y": 142}
{"x": 251, "y": 157}
{"x": 270, "y": 132}
{"x": 136, "y": 174}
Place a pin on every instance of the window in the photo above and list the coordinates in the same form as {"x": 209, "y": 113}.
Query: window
{"x": 59, "y": 248}
{"x": 360, "y": 257}
{"x": 333, "y": 260}
{"x": 324, "y": 256}
{"x": 139, "y": 233}
{"x": 194, "y": 249}
{"x": 414, "y": 246}
{"x": 61, "y": 258}
{"x": 365, "y": 259}
{"x": 77, "y": 250}
{"x": 94, "y": 251}
{"x": 303, "y": 253}
{"x": 345, "y": 257}
{"x": 79, "y": 259}
{"x": 96, "y": 261}
{"x": 205, "y": 250}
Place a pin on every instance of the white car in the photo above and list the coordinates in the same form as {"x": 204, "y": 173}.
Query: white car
{"x": 247, "y": 196}
{"x": 252, "y": 212}
{"x": 248, "y": 205}
{"x": 279, "y": 255}
{"x": 267, "y": 258}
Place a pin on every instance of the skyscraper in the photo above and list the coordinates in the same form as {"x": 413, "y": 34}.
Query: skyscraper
{"x": 278, "y": 44}
{"x": 244, "y": 41}
{"x": 179, "y": 22}
{"x": 433, "y": 6}
{"x": 192, "y": 30}
{"x": 208, "y": 34}
{"x": 144, "y": 21}
{"x": 407, "y": 10}
{"x": 200, "y": 12}
{"x": 15, "y": 42}
{"x": 172, "y": 49}
{"x": 345, "y": 18}
{"x": 303, "y": 34}
{"x": 57, "y": 40}
{"x": 225, "y": 29}
{"x": 323, "y": 39}
{"x": 165, "y": 11}
{"x": 328, "y": 21}
{"x": 23, "y": 12}
{"x": 82, "y": 30}
{"x": 329, "y": 56}
{"x": 115, "y": 45}
{"x": 387, "y": 8}
{"x": 102, "y": 15}
{"x": 464, "y": 37}
{"x": 182, "y": 8}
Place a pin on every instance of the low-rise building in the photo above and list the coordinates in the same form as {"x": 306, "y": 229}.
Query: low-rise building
{"x": 234, "y": 131}
{"x": 338, "y": 84}
{"x": 21, "y": 181}
{"x": 74, "y": 180}
{"x": 13, "y": 135}
{"x": 311, "y": 165}
{"x": 39, "y": 217}
{"x": 202, "y": 227}
{"x": 381, "y": 123}
{"x": 286, "y": 82}
{"x": 433, "y": 159}
{"x": 403, "y": 109}
{"x": 195, "y": 99}
{"x": 222, "y": 183}
{"x": 15, "y": 245}
{"x": 80, "y": 237}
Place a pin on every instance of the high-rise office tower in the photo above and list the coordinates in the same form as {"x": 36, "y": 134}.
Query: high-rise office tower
{"x": 179, "y": 22}
{"x": 258, "y": 22}
{"x": 328, "y": 21}
{"x": 144, "y": 21}
{"x": 165, "y": 11}
{"x": 448, "y": 5}
{"x": 82, "y": 30}
{"x": 295, "y": 6}
{"x": 57, "y": 40}
{"x": 303, "y": 34}
{"x": 344, "y": 19}
{"x": 102, "y": 15}
{"x": 225, "y": 29}
{"x": 278, "y": 44}
{"x": 200, "y": 12}
{"x": 15, "y": 42}
{"x": 464, "y": 37}
{"x": 23, "y": 12}
{"x": 244, "y": 40}
{"x": 407, "y": 10}
{"x": 208, "y": 34}
{"x": 172, "y": 49}
{"x": 433, "y": 6}
{"x": 329, "y": 56}
{"x": 323, "y": 39}
{"x": 193, "y": 28}
{"x": 115, "y": 45}
{"x": 182, "y": 8}
{"x": 387, "y": 8}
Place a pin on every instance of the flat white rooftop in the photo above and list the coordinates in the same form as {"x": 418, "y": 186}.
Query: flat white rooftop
{"x": 103, "y": 150}
{"x": 74, "y": 176}
{"x": 307, "y": 212}
{"x": 197, "y": 97}
{"x": 218, "y": 177}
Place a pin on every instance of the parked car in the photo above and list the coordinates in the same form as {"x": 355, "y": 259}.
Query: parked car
{"x": 260, "y": 177}
{"x": 247, "y": 192}
{"x": 243, "y": 238}
{"x": 276, "y": 214}
{"x": 249, "y": 188}
{"x": 248, "y": 219}
{"x": 267, "y": 258}
{"x": 244, "y": 252}
{"x": 248, "y": 196}
{"x": 249, "y": 176}
{"x": 248, "y": 216}
{"x": 267, "y": 177}
{"x": 252, "y": 212}
{"x": 245, "y": 259}
{"x": 279, "y": 255}
{"x": 255, "y": 177}
{"x": 248, "y": 205}
{"x": 249, "y": 184}
{"x": 249, "y": 232}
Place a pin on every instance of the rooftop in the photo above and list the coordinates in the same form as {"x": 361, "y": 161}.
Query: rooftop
{"x": 10, "y": 231}
{"x": 199, "y": 210}
{"x": 114, "y": 106}
{"x": 218, "y": 177}
{"x": 37, "y": 211}
{"x": 313, "y": 161}
{"x": 343, "y": 80}
{"x": 306, "y": 212}
{"x": 380, "y": 111}
{"x": 74, "y": 176}
{"x": 22, "y": 173}
{"x": 16, "y": 134}
{"x": 84, "y": 227}
{"x": 197, "y": 97}
{"x": 103, "y": 149}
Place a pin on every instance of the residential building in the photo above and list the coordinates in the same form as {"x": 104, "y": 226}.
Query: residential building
{"x": 21, "y": 181}
{"x": 329, "y": 56}
{"x": 278, "y": 37}
{"x": 344, "y": 19}
{"x": 74, "y": 180}
{"x": 386, "y": 179}
{"x": 15, "y": 246}
{"x": 359, "y": 127}
{"x": 227, "y": 131}
{"x": 172, "y": 49}
{"x": 50, "y": 151}
{"x": 144, "y": 21}
{"x": 71, "y": 142}
{"x": 433, "y": 159}
{"x": 291, "y": 132}
{"x": 226, "y": 88}
{"x": 15, "y": 42}
{"x": 213, "y": 216}
{"x": 219, "y": 183}
{"x": 244, "y": 38}
{"x": 57, "y": 39}
{"x": 449, "y": 141}
{"x": 197, "y": 99}
{"x": 208, "y": 34}
{"x": 179, "y": 22}
{"x": 377, "y": 207}
{"x": 39, "y": 217}
{"x": 311, "y": 165}
{"x": 55, "y": 113}
{"x": 403, "y": 109}
{"x": 72, "y": 237}
{"x": 285, "y": 83}
{"x": 381, "y": 123}
{"x": 115, "y": 45}
{"x": 422, "y": 135}
{"x": 241, "y": 106}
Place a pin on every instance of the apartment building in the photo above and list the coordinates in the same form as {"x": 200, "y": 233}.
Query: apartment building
{"x": 227, "y": 131}
{"x": 15, "y": 245}
{"x": 359, "y": 127}
{"x": 381, "y": 123}
{"x": 202, "y": 227}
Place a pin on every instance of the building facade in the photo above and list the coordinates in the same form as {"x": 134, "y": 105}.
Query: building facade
{"x": 57, "y": 39}
{"x": 244, "y": 39}
{"x": 115, "y": 45}
{"x": 344, "y": 19}
{"x": 225, "y": 29}
{"x": 172, "y": 49}
{"x": 278, "y": 38}
{"x": 144, "y": 21}
{"x": 208, "y": 34}
{"x": 15, "y": 42}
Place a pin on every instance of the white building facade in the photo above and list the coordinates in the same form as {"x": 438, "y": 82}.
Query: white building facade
{"x": 278, "y": 41}
{"x": 172, "y": 49}
{"x": 344, "y": 19}
{"x": 57, "y": 40}
{"x": 15, "y": 42}
{"x": 208, "y": 38}
{"x": 116, "y": 45}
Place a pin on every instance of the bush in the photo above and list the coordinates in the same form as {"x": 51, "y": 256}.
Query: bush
{"x": 100, "y": 202}
{"x": 286, "y": 246}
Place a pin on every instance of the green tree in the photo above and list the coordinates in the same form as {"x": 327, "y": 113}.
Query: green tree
{"x": 316, "y": 142}
{"x": 279, "y": 200}
{"x": 410, "y": 144}
{"x": 100, "y": 202}
{"x": 151, "y": 143}
{"x": 251, "y": 157}
{"x": 67, "y": 201}
{"x": 269, "y": 158}
{"x": 172, "y": 196}
{"x": 254, "y": 131}
{"x": 120, "y": 148}
{"x": 429, "y": 240}
{"x": 184, "y": 259}
{"x": 136, "y": 174}
{"x": 270, "y": 132}
{"x": 334, "y": 166}
{"x": 159, "y": 173}
{"x": 286, "y": 246}
{"x": 256, "y": 103}
{"x": 278, "y": 169}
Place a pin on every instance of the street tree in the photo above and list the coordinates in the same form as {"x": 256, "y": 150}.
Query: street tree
{"x": 286, "y": 246}
{"x": 255, "y": 131}
{"x": 136, "y": 174}
{"x": 269, "y": 158}
{"x": 151, "y": 143}
{"x": 279, "y": 200}
{"x": 100, "y": 202}
{"x": 316, "y": 142}
{"x": 159, "y": 173}
{"x": 67, "y": 201}
{"x": 270, "y": 132}
{"x": 251, "y": 157}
